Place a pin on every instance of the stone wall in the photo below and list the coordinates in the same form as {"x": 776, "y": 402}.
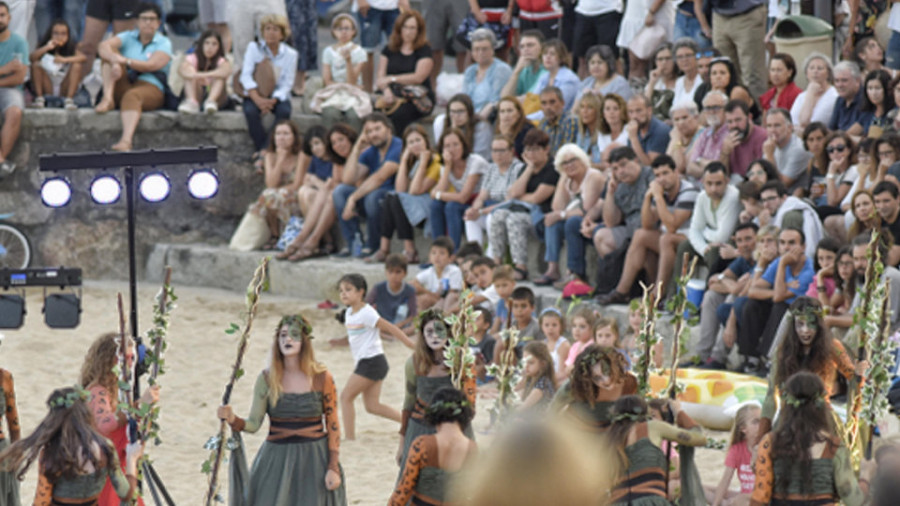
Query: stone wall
{"x": 93, "y": 237}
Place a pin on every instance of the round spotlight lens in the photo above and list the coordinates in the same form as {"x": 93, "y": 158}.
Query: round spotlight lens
{"x": 155, "y": 187}
{"x": 105, "y": 190}
{"x": 203, "y": 184}
{"x": 56, "y": 192}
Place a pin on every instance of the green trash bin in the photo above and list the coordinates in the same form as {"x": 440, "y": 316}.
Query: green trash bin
{"x": 801, "y": 35}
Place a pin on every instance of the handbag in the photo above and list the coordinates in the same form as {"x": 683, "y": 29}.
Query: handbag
{"x": 416, "y": 94}
{"x": 647, "y": 40}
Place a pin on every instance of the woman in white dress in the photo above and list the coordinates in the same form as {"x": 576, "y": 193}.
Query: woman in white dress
{"x": 638, "y": 14}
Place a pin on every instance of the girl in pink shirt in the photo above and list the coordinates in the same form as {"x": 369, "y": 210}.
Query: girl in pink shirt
{"x": 582, "y": 324}
{"x": 744, "y": 438}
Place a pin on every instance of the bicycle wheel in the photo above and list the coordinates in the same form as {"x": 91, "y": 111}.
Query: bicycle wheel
{"x": 15, "y": 253}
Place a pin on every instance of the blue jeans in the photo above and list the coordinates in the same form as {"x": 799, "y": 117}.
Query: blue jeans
{"x": 447, "y": 219}
{"x": 570, "y": 230}
{"x": 687, "y": 26}
{"x": 253, "y": 116}
{"x": 368, "y": 207}
{"x": 46, "y": 11}
{"x": 373, "y": 24}
{"x": 892, "y": 53}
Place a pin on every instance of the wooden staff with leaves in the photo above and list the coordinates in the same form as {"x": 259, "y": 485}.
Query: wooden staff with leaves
{"x": 679, "y": 303}
{"x": 125, "y": 373}
{"x": 165, "y": 303}
{"x": 647, "y": 338}
{"x": 458, "y": 354}
{"x": 214, "y": 463}
{"x": 872, "y": 320}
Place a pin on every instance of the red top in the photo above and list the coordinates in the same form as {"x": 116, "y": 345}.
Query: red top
{"x": 785, "y": 100}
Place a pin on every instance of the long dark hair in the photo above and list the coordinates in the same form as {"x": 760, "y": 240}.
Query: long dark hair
{"x": 612, "y": 362}
{"x": 348, "y": 132}
{"x": 469, "y": 128}
{"x": 204, "y": 64}
{"x": 67, "y": 438}
{"x": 791, "y": 357}
{"x": 423, "y": 356}
{"x": 885, "y": 79}
{"x": 804, "y": 417}
{"x": 628, "y": 411}
{"x": 449, "y": 405}
{"x": 69, "y": 48}
{"x": 848, "y": 288}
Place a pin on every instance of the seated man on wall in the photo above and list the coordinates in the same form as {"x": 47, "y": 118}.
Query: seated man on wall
{"x": 13, "y": 70}
{"x": 624, "y": 197}
{"x": 665, "y": 218}
{"x": 373, "y": 162}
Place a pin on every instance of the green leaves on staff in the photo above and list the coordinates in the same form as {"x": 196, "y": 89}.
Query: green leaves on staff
{"x": 458, "y": 354}
{"x": 212, "y": 465}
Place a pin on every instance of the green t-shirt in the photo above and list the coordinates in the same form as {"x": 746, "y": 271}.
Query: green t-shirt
{"x": 14, "y": 47}
{"x": 528, "y": 78}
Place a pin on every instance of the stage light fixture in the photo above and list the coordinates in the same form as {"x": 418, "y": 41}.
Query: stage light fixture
{"x": 203, "y": 184}
{"x": 105, "y": 189}
{"x": 56, "y": 192}
{"x": 154, "y": 187}
{"x": 62, "y": 310}
{"x": 12, "y": 311}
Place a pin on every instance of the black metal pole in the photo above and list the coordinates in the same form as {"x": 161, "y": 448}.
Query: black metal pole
{"x": 132, "y": 271}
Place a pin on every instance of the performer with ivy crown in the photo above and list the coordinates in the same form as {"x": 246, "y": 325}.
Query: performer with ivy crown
{"x": 807, "y": 346}
{"x": 9, "y": 486}
{"x": 803, "y": 461}
{"x": 299, "y": 461}
{"x": 435, "y": 458}
{"x": 637, "y": 440}
{"x": 426, "y": 373}
{"x": 74, "y": 459}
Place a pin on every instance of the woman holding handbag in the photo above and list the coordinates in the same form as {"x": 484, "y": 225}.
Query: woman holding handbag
{"x": 403, "y": 72}
{"x": 645, "y": 25}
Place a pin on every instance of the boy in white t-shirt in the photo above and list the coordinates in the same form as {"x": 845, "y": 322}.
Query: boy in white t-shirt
{"x": 439, "y": 285}
{"x": 364, "y": 326}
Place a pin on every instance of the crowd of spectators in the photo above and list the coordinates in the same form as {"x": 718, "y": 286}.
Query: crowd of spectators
{"x": 649, "y": 133}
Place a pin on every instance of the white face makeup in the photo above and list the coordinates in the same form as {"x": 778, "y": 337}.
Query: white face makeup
{"x": 435, "y": 334}
{"x": 288, "y": 346}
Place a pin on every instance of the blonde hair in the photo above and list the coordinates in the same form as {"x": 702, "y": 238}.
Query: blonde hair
{"x": 741, "y": 418}
{"x": 307, "y": 358}
{"x": 344, "y": 17}
{"x": 277, "y": 20}
{"x": 567, "y": 150}
{"x": 613, "y": 324}
{"x": 589, "y": 316}
{"x": 504, "y": 272}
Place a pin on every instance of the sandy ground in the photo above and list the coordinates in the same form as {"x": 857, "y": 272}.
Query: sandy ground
{"x": 198, "y": 361}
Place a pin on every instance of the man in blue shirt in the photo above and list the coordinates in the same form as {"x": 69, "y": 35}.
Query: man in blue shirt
{"x": 135, "y": 68}
{"x": 721, "y": 290}
{"x": 848, "y": 115}
{"x": 785, "y": 279}
{"x": 647, "y": 136}
{"x": 375, "y": 157}
{"x": 13, "y": 69}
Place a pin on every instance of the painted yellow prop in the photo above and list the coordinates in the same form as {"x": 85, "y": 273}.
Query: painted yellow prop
{"x": 712, "y": 397}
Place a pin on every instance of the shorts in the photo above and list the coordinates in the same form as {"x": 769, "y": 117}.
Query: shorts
{"x": 373, "y": 368}
{"x": 442, "y": 19}
{"x": 109, "y": 10}
{"x": 212, "y": 11}
{"x": 375, "y": 23}
{"x": 11, "y": 97}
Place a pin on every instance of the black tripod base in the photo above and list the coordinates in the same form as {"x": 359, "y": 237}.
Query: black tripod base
{"x": 156, "y": 486}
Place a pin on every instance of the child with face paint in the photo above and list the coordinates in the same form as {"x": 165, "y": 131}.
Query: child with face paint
{"x": 364, "y": 327}
{"x": 294, "y": 387}
{"x": 598, "y": 378}
{"x": 425, "y": 375}
{"x": 807, "y": 346}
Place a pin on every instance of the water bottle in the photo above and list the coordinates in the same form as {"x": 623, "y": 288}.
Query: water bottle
{"x": 402, "y": 312}
{"x": 356, "y": 245}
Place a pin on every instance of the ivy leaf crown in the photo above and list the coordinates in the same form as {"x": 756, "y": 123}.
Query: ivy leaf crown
{"x": 298, "y": 326}
{"x": 78, "y": 394}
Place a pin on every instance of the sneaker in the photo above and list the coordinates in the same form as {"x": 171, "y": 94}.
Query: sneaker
{"x": 210, "y": 107}
{"x": 613, "y": 297}
{"x": 39, "y": 103}
{"x": 343, "y": 253}
{"x": 6, "y": 168}
{"x": 713, "y": 364}
{"x": 69, "y": 105}
{"x": 189, "y": 107}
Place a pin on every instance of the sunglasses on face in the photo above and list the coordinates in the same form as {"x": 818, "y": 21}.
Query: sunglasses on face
{"x": 835, "y": 149}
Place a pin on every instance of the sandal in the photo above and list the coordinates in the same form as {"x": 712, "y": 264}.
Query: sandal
{"x": 412, "y": 257}
{"x": 270, "y": 245}
{"x": 258, "y": 161}
{"x": 545, "y": 280}
{"x": 376, "y": 258}
{"x": 520, "y": 274}
{"x": 290, "y": 250}
{"x": 302, "y": 254}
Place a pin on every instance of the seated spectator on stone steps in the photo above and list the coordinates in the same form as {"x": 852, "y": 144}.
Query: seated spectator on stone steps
{"x": 56, "y": 66}
{"x": 205, "y": 71}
